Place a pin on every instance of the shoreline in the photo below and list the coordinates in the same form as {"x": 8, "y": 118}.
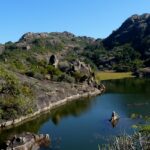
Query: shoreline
{"x": 12, "y": 123}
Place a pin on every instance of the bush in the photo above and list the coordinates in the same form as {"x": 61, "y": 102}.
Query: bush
{"x": 38, "y": 76}
{"x": 53, "y": 71}
{"x": 15, "y": 97}
{"x": 77, "y": 76}
{"x": 66, "y": 78}
{"x": 30, "y": 73}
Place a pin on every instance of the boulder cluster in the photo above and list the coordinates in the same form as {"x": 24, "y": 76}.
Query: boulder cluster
{"x": 74, "y": 68}
{"x": 26, "y": 141}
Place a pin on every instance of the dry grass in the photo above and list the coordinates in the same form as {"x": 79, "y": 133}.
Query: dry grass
{"x": 112, "y": 75}
{"x": 137, "y": 141}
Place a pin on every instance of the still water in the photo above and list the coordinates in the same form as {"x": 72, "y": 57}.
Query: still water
{"x": 83, "y": 124}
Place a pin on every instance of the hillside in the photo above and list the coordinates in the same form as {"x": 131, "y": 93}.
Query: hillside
{"x": 126, "y": 49}
{"x": 135, "y": 32}
{"x": 42, "y": 68}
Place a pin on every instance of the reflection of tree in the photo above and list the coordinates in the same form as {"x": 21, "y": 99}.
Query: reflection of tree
{"x": 114, "y": 123}
{"x": 128, "y": 86}
{"x": 74, "y": 108}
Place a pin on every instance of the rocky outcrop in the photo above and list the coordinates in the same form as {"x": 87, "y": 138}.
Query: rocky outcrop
{"x": 78, "y": 68}
{"x": 26, "y": 141}
{"x": 53, "y": 40}
{"x": 23, "y": 46}
{"x": 32, "y": 36}
{"x": 53, "y": 60}
{"x": 136, "y": 31}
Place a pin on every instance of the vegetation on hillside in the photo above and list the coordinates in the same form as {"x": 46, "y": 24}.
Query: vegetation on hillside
{"x": 29, "y": 57}
{"x": 15, "y": 98}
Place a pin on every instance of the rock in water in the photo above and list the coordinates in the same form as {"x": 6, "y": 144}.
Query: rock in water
{"x": 114, "y": 118}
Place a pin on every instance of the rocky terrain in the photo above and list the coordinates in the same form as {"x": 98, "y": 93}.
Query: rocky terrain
{"x": 126, "y": 49}
{"x": 32, "y": 82}
{"x": 41, "y": 69}
{"x": 135, "y": 31}
{"x": 26, "y": 141}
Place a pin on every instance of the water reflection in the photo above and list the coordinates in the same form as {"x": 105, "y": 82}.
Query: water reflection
{"x": 31, "y": 126}
{"x": 77, "y": 121}
{"x": 114, "y": 123}
{"x": 128, "y": 86}
{"x": 75, "y": 108}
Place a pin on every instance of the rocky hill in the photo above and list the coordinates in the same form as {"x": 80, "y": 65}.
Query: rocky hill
{"x": 40, "y": 71}
{"x": 42, "y": 68}
{"x": 134, "y": 31}
{"x": 126, "y": 49}
{"x": 53, "y": 40}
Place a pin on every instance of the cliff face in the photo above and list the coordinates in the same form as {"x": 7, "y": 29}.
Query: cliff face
{"x": 135, "y": 31}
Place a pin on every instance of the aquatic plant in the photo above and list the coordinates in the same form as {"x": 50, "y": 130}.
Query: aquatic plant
{"x": 137, "y": 141}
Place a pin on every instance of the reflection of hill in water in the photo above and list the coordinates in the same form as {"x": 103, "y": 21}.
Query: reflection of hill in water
{"x": 74, "y": 108}
{"x": 128, "y": 86}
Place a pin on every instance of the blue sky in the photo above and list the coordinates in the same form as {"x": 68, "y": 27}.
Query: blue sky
{"x": 95, "y": 18}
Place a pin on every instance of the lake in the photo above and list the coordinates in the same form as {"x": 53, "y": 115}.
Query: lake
{"x": 83, "y": 124}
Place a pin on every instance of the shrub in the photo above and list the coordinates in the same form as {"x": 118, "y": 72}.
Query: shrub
{"x": 66, "y": 78}
{"x": 15, "y": 97}
{"x": 30, "y": 73}
{"x": 77, "y": 76}
{"x": 53, "y": 71}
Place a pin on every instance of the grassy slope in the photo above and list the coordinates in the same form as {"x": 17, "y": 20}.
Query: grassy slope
{"x": 112, "y": 75}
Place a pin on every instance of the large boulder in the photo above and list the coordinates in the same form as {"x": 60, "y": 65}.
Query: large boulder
{"x": 27, "y": 141}
{"x": 65, "y": 66}
{"x": 78, "y": 69}
{"x": 53, "y": 60}
{"x": 23, "y": 46}
{"x": 80, "y": 66}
